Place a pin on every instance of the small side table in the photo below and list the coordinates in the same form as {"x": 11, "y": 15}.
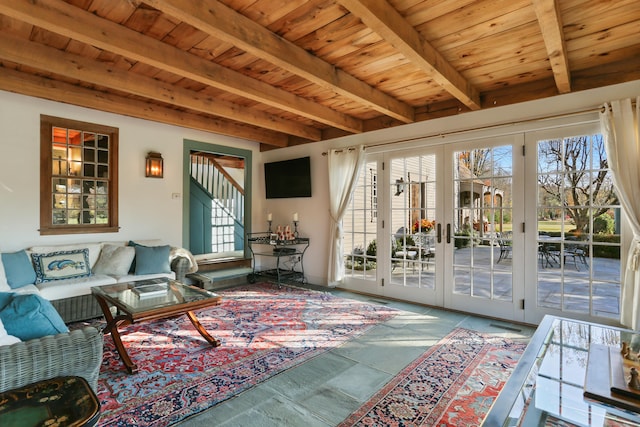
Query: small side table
{"x": 60, "y": 401}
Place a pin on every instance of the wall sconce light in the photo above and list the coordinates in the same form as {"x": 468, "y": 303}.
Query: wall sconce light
{"x": 399, "y": 187}
{"x": 154, "y": 165}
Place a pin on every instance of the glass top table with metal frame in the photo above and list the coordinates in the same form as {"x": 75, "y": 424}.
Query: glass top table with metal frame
{"x": 547, "y": 387}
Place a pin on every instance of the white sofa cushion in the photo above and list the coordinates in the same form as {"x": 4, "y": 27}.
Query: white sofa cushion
{"x": 67, "y": 288}
{"x": 5, "y": 338}
{"x": 4, "y": 286}
{"x": 26, "y": 289}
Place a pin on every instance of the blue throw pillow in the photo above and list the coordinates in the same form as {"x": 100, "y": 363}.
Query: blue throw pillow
{"x": 18, "y": 269}
{"x": 152, "y": 259}
{"x": 30, "y": 316}
{"x": 132, "y": 269}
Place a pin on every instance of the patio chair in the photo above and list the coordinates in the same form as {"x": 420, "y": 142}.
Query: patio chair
{"x": 575, "y": 251}
{"x": 403, "y": 248}
{"x": 426, "y": 244}
{"x": 504, "y": 241}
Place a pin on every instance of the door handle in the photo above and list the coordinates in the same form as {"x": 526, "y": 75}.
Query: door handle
{"x": 448, "y": 233}
{"x": 439, "y": 232}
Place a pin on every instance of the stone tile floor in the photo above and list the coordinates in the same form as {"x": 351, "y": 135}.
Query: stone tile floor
{"x": 324, "y": 390}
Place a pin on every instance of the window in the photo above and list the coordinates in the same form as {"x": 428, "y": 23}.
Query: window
{"x": 78, "y": 177}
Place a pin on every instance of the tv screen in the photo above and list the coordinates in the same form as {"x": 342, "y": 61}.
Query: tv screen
{"x": 288, "y": 178}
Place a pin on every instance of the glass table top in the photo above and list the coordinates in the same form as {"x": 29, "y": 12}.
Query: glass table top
{"x": 131, "y": 296}
{"x": 547, "y": 388}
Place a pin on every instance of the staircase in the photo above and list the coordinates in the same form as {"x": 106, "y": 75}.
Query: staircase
{"x": 223, "y": 189}
{"x": 227, "y": 198}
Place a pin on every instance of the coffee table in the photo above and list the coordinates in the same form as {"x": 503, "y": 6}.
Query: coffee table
{"x": 131, "y": 307}
{"x": 550, "y": 384}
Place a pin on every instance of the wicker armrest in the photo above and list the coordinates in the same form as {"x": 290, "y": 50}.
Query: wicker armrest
{"x": 78, "y": 352}
{"x": 180, "y": 266}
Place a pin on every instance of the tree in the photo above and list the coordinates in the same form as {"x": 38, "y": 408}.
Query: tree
{"x": 573, "y": 175}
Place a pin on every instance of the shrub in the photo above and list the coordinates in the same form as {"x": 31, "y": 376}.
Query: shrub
{"x": 603, "y": 224}
{"x": 372, "y": 248}
{"x": 463, "y": 238}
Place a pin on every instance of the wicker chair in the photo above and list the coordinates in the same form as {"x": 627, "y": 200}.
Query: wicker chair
{"x": 78, "y": 352}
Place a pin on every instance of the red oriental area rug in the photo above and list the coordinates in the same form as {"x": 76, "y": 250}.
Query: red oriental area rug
{"x": 454, "y": 383}
{"x": 264, "y": 330}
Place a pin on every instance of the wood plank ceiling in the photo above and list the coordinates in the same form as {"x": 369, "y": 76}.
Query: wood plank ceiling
{"x": 288, "y": 72}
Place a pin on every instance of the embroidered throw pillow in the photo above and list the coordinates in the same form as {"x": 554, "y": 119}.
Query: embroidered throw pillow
{"x": 61, "y": 265}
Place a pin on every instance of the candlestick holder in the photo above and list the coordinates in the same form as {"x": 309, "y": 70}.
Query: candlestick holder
{"x": 295, "y": 229}
{"x": 269, "y": 222}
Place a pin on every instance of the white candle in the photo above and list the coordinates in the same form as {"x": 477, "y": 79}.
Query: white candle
{"x": 295, "y": 216}
{"x": 269, "y": 217}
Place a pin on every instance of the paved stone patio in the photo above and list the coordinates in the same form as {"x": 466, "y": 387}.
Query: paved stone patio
{"x": 553, "y": 278}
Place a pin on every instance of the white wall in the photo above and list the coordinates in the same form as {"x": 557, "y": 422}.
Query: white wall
{"x": 313, "y": 212}
{"x": 146, "y": 207}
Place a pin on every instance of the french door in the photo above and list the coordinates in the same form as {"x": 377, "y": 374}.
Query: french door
{"x": 425, "y": 226}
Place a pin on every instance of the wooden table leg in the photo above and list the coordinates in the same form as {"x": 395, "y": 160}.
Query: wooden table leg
{"x": 196, "y": 323}
{"x": 112, "y": 328}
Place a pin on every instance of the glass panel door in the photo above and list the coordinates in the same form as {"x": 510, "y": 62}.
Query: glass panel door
{"x": 485, "y": 248}
{"x": 412, "y": 229}
{"x": 578, "y": 226}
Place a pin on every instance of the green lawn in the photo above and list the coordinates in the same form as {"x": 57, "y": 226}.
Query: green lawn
{"x": 554, "y": 226}
{"x": 544, "y": 226}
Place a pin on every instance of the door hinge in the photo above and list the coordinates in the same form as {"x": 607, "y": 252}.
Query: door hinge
{"x": 382, "y": 165}
{"x": 522, "y": 304}
{"x": 383, "y": 223}
{"x": 523, "y": 227}
{"x": 382, "y": 282}
{"x": 524, "y": 151}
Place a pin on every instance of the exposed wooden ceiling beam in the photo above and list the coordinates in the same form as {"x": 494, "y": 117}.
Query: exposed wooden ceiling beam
{"x": 550, "y": 21}
{"x": 41, "y": 87}
{"x": 70, "y": 21}
{"x": 385, "y": 20}
{"x": 228, "y": 25}
{"x": 77, "y": 67}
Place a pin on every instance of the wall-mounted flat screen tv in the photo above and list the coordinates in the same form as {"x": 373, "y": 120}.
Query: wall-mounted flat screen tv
{"x": 288, "y": 178}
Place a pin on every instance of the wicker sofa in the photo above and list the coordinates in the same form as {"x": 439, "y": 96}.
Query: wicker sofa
{"x": 78, "y": 352}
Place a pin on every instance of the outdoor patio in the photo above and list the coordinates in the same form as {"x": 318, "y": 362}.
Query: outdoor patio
{"x": 484, "y": 271}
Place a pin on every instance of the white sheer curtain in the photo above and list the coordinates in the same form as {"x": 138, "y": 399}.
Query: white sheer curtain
{"x": 619, "y": 122}
{"x": 344, "y": 167}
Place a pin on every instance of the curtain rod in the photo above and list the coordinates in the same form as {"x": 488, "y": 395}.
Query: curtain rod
{"x": 340, "y": 150}
{"x": 443, "y": 134}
